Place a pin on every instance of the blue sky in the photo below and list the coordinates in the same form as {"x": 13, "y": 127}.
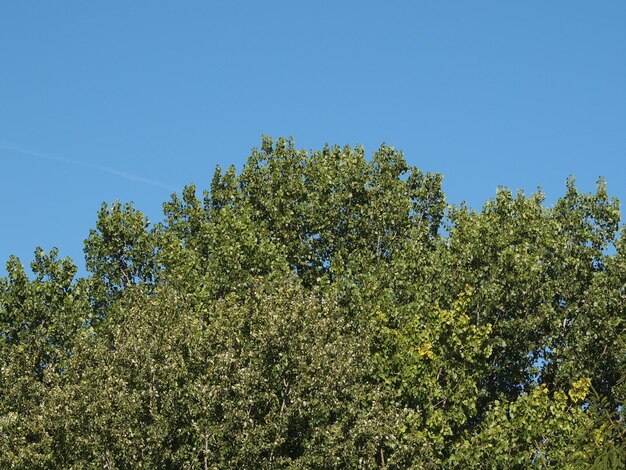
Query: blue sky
{"x": 101, "y": 101}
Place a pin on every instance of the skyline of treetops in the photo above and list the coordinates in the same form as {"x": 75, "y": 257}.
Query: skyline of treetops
{"x": 323, "y": 309}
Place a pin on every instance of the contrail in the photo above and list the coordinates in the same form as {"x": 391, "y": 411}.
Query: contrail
{"x": 92, "y": 166}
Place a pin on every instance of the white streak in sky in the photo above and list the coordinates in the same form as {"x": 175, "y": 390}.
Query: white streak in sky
{"x": 92, "y": 166}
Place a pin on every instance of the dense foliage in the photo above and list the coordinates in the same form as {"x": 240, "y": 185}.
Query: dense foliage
{"x": 323, "y": 310}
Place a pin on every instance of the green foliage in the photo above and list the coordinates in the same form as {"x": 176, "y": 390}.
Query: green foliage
{"x": 318, "y": 310}
{"x": 120, "y": 251}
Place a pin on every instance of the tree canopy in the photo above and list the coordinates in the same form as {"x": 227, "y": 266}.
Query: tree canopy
{"x": 320, "y": 309}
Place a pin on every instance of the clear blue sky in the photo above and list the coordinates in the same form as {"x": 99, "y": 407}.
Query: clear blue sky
{"x": 102, "y": 101}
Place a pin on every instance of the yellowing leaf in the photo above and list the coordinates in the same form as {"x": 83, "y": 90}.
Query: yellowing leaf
{"x": 580, "y": 389}
{"x": 425, "y": 350}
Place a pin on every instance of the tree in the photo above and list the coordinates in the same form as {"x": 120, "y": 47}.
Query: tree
{"x": 322, "y": 309}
